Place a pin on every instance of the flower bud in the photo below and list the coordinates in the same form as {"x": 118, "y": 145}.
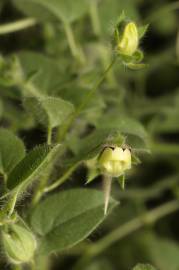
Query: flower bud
{"x": 129, "y": 41}
{"x": 19, "y": 244}
{"x": 114, "y": 161}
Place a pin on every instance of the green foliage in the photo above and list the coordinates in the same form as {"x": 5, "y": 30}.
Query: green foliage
{"x": 65, "y": 10}
{"x": 143, "y": 267}
{"x": 77, "y": 77}
{"x": 49, "y": 111}
{"x": 31, "y": 166}
{"x": 66, "y": 218}
{"x": 12, "y": 150}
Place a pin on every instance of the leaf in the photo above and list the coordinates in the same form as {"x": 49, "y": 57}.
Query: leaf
{"x": 32, "y": 166}
{"x": 90, "y": 146}
{"x": 109, "y": 10}
{"x": 144, "y": 267}
{"x": 160, "y": 251}
{"x": 121, "y": 181}
{"x": 138, "y": 56}
{"x": 142, "y": 30}
{"x": 12, "y": 150}
{"x": 136, "y": 66}
{"x": 48, "y": 72}
{"x": 68, "y": 217}
{"x": 49, "y": 111}
{"x": 65, "y": 10}
{"x": 123, "y": 124}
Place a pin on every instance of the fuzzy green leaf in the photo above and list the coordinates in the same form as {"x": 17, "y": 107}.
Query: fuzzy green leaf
{"x": 12, "y": 150}
{"x": 68, "y": 217}
{"x": 32, "y": 166}
{"x": 49, "y": 111}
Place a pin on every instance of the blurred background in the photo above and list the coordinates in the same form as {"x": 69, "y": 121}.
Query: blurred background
{"x": 70, "y": 58}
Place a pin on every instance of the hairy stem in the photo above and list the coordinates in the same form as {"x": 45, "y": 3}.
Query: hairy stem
{"x": 62, "y": 179}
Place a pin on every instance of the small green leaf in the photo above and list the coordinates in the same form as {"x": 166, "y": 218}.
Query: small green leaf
{"x": 49, "y": 111}
{"x": 135, "y": 66}
{"x": 121, "y": 181}
{"x": 32, "y": 166}
{"x": 12, "y": 150}
{"x": 144, "y": 267}
{"x": 92, "y": 174}
{"x": 68, "y": 217}
{"x": 138, "y": 56}
{"x": 142, "y": 30}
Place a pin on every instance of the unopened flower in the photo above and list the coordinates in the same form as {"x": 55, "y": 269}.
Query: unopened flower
{"x": 129, "y": 40}
{"x": 19, "y": 244}
{"x": 114, "y": 161}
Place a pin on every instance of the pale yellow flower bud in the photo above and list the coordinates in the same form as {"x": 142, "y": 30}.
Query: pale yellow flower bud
{"x": 115, "y": 162}
{"x": 129, "y": 41}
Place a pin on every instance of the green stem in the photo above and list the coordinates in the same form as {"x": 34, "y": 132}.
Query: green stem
{"x": 152, "y": 192}
{"x": 75, "y": 50}
{"x": 93, "y": 9}
{"x": 164, "y": 148}
{"x": 49, "y": 135}
{"x": 126, "y": 229}
{"x": 9, "y": 208}
{"x": 62, "y": 179}
{"x": 86, "y": 100}
{"x": 17, "y": 26}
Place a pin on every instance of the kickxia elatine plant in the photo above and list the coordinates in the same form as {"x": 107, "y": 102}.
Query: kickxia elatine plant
{"x": 73, "y": 109}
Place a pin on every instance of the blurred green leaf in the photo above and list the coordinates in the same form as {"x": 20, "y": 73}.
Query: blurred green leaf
{"x": 32, "y": 166}
{"x": 142, "y": 30}
{"x": 123, "y": 124}
{"x": 48, "y": 73}
{"x": 109, "y": 11}
{"x": 12, "y": 150}
{"x": 68, "y": 217}
{"x": 144, "y": 267}
{"x": 49, "y": 111}
{"x": 65, "y": 10}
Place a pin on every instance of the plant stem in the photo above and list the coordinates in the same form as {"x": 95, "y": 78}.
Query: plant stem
{"x": 164, "y": 148}
{"x": 126, "y": 229}
{"x": 17, "y": 26}
{"x": 85, "y": 101}
{"x": 49, "y": 135}
{"x": 93, "y": 9}
{"x": 62, "y": 179}
{"x": 75, "y": 50}
{"x": 9, "y": 208}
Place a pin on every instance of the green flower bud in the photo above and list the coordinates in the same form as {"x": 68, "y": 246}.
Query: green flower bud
{"x": 114, "y": 162}
{"x": 19, "y": 244}
{"x": 129, "y": 41}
